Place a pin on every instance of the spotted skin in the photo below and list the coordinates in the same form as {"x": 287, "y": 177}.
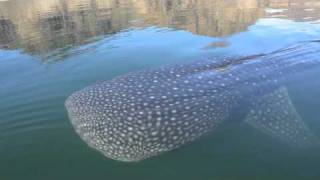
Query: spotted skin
{"x": 143, "y": 114}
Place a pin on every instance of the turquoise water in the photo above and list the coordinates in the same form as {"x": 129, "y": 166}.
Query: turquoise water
{"x": 50, "y": 49}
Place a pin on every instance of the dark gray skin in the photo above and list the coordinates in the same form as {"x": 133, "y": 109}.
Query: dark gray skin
{"x": 143, "y": 114}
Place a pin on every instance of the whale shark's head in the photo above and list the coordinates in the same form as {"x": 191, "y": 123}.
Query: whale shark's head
{"x": 114, "y": 132}
{"x": 128, "y": 124}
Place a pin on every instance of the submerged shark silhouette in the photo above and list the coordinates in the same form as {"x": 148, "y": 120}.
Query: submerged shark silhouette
{"x": 143, "y": 114}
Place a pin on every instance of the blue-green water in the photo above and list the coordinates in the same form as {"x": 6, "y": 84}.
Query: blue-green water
{"x": 50, "y": 49}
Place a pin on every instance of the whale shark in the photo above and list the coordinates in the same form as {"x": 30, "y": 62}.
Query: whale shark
{"x": 144, "y": 114}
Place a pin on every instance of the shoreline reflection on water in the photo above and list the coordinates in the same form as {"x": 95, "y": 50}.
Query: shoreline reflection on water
{"x": 39, "y": 28}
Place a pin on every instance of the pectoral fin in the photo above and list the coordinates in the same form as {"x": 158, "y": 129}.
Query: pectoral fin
{"x": 275, "y": 115}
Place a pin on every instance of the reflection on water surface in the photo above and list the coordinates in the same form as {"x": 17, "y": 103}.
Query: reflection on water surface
{"x": 87, "y": 41}
{"x": 41, "y": 27}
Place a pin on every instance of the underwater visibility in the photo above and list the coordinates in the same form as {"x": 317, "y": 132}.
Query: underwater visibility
{"x": 143, "y": 114}
{"x": 159, "y": 89}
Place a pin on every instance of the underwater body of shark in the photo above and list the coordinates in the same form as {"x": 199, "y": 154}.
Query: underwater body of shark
{"x": 143, "y": 114}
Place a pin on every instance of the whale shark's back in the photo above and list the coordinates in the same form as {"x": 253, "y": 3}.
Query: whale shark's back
{"x": 143, "y": 114}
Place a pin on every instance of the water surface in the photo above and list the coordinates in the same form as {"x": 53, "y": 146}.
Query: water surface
{"x": 51, "y": 48}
